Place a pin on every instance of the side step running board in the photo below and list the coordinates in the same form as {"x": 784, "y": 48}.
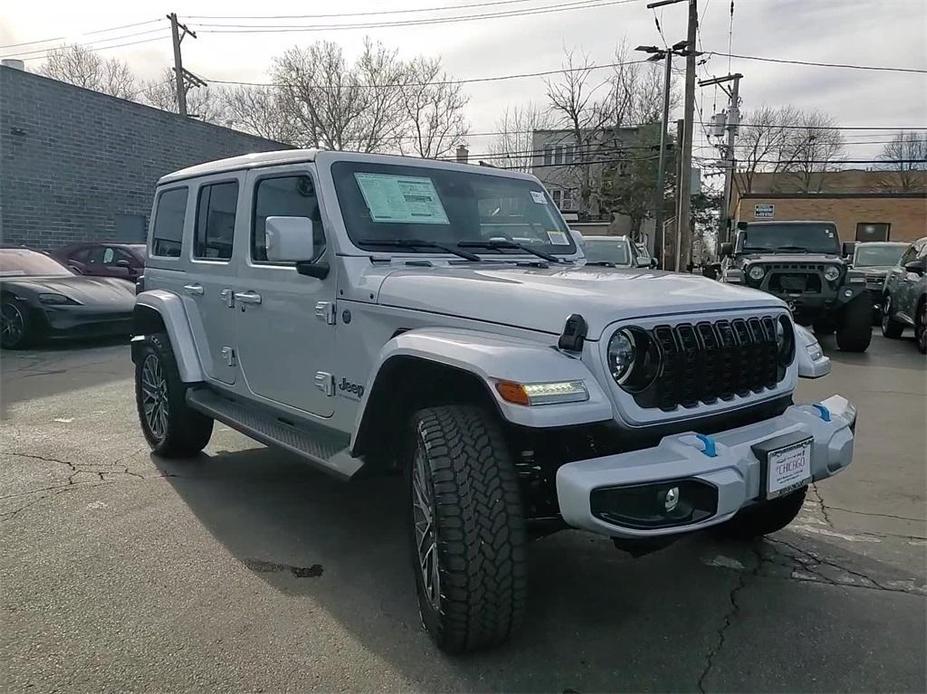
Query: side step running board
{"x": 325, "y": 449}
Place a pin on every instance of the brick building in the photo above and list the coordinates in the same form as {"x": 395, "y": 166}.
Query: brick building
{"x": 79, "y": 165}
{"x": 865, "y": 205}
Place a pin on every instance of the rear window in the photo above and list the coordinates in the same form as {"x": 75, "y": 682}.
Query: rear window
{"x": 167, "y": 237}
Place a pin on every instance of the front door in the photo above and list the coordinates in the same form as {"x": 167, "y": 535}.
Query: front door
{"x": 208, "y": 285}
{"x": 285, "y": 327}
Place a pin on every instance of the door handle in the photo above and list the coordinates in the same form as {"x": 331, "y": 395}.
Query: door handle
{"x": 248, "y": 297}
{"x": 195, "y": 289}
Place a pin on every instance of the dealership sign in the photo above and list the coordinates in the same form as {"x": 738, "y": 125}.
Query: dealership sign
{"x": 764, "y": 211}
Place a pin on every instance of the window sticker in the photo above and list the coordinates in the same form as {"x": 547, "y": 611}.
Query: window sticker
{"x": 401, "y": 199}
{"x": 538, "y": 197}
{"x": 558, "y": 238}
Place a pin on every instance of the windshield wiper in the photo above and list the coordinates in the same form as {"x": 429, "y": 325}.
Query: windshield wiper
{"x": 420, "y": 243}
{"x": 601, "y": 263}
{"x": 505, "y": 243}
{"x": 800, "y": 249}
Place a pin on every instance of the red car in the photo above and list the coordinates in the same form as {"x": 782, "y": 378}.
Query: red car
{"x": 123, "y": 260}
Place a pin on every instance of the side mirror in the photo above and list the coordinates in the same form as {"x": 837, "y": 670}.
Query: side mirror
{"x": 847, "y": 249}
{"x": 122, "y": 262}
{"x": 915, "y": 267}
{"x": 727, "y": 249}
{"x": 741, "y": 225}
{"x": 653, "y": 263}
{"x": 288, "y": 239}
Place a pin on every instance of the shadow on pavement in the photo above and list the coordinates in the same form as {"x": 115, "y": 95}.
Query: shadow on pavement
{"x": 596, "y": 620}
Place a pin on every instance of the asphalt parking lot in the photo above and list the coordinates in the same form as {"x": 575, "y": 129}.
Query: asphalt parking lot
{"x": 244, "y": 570}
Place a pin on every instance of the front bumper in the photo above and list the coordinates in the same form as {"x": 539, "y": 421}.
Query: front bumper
{"x": 734, "y": 472}
{"x": 83, "y": 321}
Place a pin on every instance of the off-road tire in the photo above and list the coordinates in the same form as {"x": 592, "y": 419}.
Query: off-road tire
{"x": 890, "y": 327}
{"x": 824, "y": 326}
{"x": 181, "y": 432}
{"x": 479, "y": 524}
{"x": 854, "y": 332}
{"x": 21, "y": 335}
{"x": 765, "y": 517}
{"x": 920, "y": 327}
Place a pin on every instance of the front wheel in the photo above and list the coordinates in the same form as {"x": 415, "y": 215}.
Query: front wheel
{"x": 15, "y": 332}
{"x": 765, "y": 517}
{"x": 171, "y": 427}
{"x": 467, "y": 528}
{"x": 890, "y": 327}
{"x": 854, "y": 333}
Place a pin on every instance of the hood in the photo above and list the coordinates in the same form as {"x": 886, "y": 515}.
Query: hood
{"x": 84, "y": 289}
{"x": 791, "y": 258}
{"x": 542, "y": 298}
{"x": 873, "y": 269}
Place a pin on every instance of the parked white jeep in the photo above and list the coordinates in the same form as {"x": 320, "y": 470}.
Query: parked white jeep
{"x": 376, "y": 313}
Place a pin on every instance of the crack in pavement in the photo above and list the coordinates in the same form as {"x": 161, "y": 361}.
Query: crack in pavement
{"x": 879, "y": 515}
{"x": 819, "y": 500}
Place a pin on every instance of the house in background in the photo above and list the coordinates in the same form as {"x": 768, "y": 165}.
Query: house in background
{"x": 865, "y": 205}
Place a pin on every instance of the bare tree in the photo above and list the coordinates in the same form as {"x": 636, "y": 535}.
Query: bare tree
{"x": 260, "y": 111}
{"x": 433, "y": 105}
{"x": 812, "y": 145}
{"x": 82, "y": 67}
{"x": 905, "y": 165}
{"x": 512, "y": 147}
{"x": 760, "y": 143}
{"x": 636, "y": 90}
{"x": 340, "y": 107}
{"x": 203, "y": 103}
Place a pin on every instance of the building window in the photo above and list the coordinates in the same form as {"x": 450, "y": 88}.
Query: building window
{"x": 872, "y": 231}
{"x": 556, "y": 196}
{"x": 548, "y": 156}
{"x": 215, "y": 221}
{"x": 567, "y": 200}
{"x": 558, "y": 155}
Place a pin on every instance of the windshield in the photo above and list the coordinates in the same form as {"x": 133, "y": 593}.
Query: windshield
{"x": 870, "y": 255}
{"x": 21, "y": 262}
{"x": 387, "y": 202}
{"x": 606, "y": 251}
{"x": 789, "y": 238}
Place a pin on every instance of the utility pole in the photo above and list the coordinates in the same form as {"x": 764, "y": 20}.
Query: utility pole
{"x": 680, "y": 195}
{"x": 732, "y": 121}
{"x": 182, "y": 77}
{"x": 685, "y": 157}
{"x": 656, "y": 55}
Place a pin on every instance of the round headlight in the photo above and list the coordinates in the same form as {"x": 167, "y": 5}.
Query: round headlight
{"x": 831, "y": 273}
{"x": 621, "y": 353}
{"x": 756, "y": 272}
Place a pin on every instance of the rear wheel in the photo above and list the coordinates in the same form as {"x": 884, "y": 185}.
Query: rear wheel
{"x": 467, "y": 528}
{"x": 171, "y": 427}
{"x": 854, "y": 333}
{"x": 890, "y": 327}
{"x": 14, "y": 325}
{"x": 920, "y": 327}
{"x": 765, "y": 517}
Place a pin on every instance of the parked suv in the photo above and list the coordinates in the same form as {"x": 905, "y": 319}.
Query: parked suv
{"x": 904, "y": 300}
{"x": 613, "y": 251}
{"x": 801, "y": 263}
{"x": 374, "y": 313}
{"x": 872, "y": 262}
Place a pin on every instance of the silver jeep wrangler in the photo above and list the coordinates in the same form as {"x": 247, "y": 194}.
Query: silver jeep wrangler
{"x": 375, "y": 313}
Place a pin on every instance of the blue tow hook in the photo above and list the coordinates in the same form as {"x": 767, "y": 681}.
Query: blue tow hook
{"x": 825, "y": 413}
{"x": 709, "y": 443}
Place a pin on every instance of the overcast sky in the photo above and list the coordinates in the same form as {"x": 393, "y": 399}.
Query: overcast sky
{"x": 870, "y": 32}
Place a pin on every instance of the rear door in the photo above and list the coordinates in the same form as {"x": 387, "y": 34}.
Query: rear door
{"x": 208, "y": 288}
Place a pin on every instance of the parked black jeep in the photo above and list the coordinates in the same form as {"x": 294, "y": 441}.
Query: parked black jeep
{"x": 801, "y": 263}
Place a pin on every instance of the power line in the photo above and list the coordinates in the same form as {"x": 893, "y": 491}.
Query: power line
{"x": 49, "y": 49}
{"x": 104, "y": 48}
{"x": 86, "y": 33}
{"x": 362, "y": 14}
{"x": 275, "y": 29}
{"x": 881, "y": 68}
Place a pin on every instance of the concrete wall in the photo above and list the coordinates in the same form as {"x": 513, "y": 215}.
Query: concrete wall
{"x": 907, "y": 214}
{"x": 79, "y": 165}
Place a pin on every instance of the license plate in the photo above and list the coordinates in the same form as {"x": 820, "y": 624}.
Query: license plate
{"x": 793, "y": 283}
{"x": 788, "y": 468}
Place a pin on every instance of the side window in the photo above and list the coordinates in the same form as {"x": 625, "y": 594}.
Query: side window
{"x": 285, "y": 196}
{"x": 215, "y": 221}
{"x": 168, "y": 224}
{"x": 908, "y": 255}
{"x": 922, "y": 253}
{"x": 80, "y": 255}
{"x": 109, "y": 256}
{"x": 95, "y": 255}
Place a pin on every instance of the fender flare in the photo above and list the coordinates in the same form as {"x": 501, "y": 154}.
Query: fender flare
{"x": 173, "y": 315}
{"x": 491, "y": 357}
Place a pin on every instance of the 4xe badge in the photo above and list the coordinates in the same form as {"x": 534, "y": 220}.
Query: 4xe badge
{"x": 355, "y": 391}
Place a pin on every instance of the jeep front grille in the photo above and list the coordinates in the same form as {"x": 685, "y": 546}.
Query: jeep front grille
{"x": 707, "y": 361}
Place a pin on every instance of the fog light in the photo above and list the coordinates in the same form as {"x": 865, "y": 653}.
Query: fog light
{"x": 655, "y": 504}
{"x": 671, "y": 498}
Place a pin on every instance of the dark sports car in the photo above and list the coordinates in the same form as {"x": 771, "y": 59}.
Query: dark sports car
{"x": 41, "y": 299}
